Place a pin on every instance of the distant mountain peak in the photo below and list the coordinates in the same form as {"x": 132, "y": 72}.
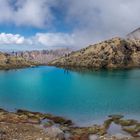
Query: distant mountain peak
{"x": 134, "y": 34}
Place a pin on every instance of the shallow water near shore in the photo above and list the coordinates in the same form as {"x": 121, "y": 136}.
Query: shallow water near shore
{"x": 85, "y": 97}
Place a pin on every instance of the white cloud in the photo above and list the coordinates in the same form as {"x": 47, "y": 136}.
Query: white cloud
{"x": 92, "y": 20}
{"x": 102, "y": 19}
{"x": 55, "y": 39}
{"x": 39, "y": 41}
{"x": 34, "y": 13}
{"x": 11, "y": 39}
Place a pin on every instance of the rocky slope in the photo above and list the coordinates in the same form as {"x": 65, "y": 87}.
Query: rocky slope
{"x": 113, "y": 53}
{"x": 11, "y": 62}
{"x": 41, "y": 56}
{"x": 134, "y": 35}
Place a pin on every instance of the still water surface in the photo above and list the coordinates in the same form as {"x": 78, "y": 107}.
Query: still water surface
{"x": 84, "y": 97}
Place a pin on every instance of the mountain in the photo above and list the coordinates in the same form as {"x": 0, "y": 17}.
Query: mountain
{"x": 134, "y": 35}
{"x": 12, "y": 62}
{"x": 113, "y": 53}
{"x": 41, "y": 56}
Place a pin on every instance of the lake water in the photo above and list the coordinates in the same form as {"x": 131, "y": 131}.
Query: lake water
{"x": 85, "y": 97}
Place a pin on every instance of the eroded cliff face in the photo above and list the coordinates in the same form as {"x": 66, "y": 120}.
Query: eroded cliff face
{"x": 41, "y": 56}
{"x": 11, "y": 62}
{"x": 113, "y": 53}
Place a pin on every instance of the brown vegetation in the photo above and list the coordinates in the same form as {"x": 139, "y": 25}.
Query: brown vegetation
{"x": 113, "y": 53}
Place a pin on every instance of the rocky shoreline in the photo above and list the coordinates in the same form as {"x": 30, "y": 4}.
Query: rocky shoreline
{"x": 27, "y": 125}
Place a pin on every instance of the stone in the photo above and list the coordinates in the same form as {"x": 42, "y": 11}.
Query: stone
{"x": 93, "y": 137}
{"x": 2, "y": 110}
{"x": 55, "y": 132}
{"x": 115, "y": 117}
{"x": 48, "y": 124}
{"x": 122, "y": 136}
{"x": 34, "y": 120}
{"x": 31, "y": 114}
{"x": 59, "y": 120}
{"x": 126, "y": 122}
{"x": 131, "y": 131}
{"x": 107, "y": 123}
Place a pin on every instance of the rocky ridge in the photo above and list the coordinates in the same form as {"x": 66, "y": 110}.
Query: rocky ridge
{"x": 41, "y": 56}
{"x": 13, "y": 62}
{"x": 134, "y": 35}
{"x": 113, "y": 53}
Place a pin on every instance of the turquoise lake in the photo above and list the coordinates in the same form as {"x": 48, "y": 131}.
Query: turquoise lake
{"x": 85, "y": 97}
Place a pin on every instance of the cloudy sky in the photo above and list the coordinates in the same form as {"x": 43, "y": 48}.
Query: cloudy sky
{"x": 50, "y": 24}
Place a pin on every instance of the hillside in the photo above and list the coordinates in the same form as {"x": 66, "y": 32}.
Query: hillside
{"x": 11, "y": 62}
{"x": 113, "y": 53}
